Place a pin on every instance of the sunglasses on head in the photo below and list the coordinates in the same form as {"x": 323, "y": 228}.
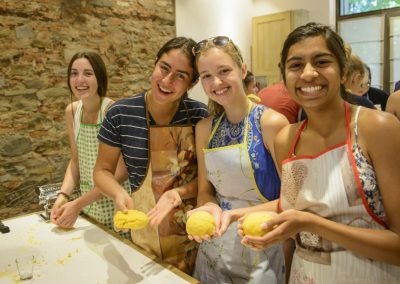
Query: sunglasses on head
{"x": 215, "y": 41}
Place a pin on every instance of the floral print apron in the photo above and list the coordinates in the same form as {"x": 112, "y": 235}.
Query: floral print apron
{"x": 172, "y": 163}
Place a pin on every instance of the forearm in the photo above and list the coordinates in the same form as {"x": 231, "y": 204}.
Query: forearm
{"x": 88, "y": 198}
{"x": 188, "y": 190}
{"x": 267, "y": 206}
{"x": 206, "y": 197}
{"x": 71, "y": 178}
{"x": 107, "y": 183}
{"x": 381, "y": 245}
{"x": 121, "y": 172}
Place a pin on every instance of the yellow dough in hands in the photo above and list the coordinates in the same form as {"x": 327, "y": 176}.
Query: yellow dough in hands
{"x": 134, "y": 219}
{"x": 252, "y": 224}
{"x": 200, "y": 223}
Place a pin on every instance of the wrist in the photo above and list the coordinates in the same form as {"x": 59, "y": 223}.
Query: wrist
{"x": 309, "y": 222}
{"x": 175, "y": 197}
{"x": 211, "y": 204}
{"x": 235, "y": 215}
{"x": 117, "y": 193}
{"x": 77, "y": 203}
{"x": 63, "y": 195}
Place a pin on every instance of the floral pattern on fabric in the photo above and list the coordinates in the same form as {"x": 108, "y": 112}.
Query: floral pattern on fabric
{"x": 228, "y": 134}
{"x": 369, "y": 183}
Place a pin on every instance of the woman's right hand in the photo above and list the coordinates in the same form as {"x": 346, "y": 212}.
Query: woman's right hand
{"x": 123, "y": 202}
{"x": 214, "y": 210}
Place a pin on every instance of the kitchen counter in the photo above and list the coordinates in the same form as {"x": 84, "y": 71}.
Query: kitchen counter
{"x": 86, "y": 254}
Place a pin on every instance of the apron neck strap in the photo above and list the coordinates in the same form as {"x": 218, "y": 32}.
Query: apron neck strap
{"x": 148, "y": 118}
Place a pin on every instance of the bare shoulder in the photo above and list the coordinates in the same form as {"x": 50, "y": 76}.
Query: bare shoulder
{"x": 70, "y": 109}
{"x": 203, "y": 131}
{"x": 204, "y": 126}
{"x": 204, "y": 122}
{"x": 110, "y": 103}
{"x": 395, "y": 97}
{"x": 377, "y": 124}
{"x": 284, "y": 140}
{"x": 274, "y": 119}
{"x": 377, "y": 118}
{"x": 286, "y": 136}
{"x": 393, "y": 104}
{"x": 273, "y": 115}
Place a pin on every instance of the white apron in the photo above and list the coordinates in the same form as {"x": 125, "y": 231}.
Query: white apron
{"x": 225, "y": 259}
{"x": 328, "y": 185}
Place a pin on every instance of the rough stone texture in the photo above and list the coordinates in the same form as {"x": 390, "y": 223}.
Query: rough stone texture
{"x": 37, "y": 39}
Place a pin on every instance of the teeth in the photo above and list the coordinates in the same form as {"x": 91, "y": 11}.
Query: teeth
{"x": 164, "y": 90}
{"x": 311, "y": 89}
{"x": 220, "y": 92}
{"x": 81, "y": 88}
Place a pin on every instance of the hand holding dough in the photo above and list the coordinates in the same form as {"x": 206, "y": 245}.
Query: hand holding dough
{"x": 133, "y": 219}
{"x": 252, "y": 224}
{"x": 200, "y": 223}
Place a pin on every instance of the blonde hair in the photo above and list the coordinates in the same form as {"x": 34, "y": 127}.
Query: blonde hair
{"x": 354, "y": 64}
{"x": 234, "y": 52}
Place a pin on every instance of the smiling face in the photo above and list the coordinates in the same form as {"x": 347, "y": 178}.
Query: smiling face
{"x": 172, "y": 77}
{"x": 82, "y": 79}
{"x": 220, "y": 75}
{"x": 312, "y": 72}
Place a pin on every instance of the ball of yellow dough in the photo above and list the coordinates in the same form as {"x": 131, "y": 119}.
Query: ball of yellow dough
{"x": 252, "y": 224}
{"x": 133, "y": 219}
{"x": 200, "y": 223}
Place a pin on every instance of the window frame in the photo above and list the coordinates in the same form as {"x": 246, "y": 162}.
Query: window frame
{"x": 387, "y": 14}
{"x": 339, "y": 5}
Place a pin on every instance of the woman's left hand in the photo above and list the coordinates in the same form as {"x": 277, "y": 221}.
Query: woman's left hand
{"x": 284, "y": 226}
{"x": 167, "y": 202}
{"x": 69, "y": 212}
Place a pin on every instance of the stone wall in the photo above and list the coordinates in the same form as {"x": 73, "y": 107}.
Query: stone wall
{"x": 37, "y": 39}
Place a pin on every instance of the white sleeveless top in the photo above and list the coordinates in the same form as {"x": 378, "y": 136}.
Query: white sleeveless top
{"x": 105, "y": 102}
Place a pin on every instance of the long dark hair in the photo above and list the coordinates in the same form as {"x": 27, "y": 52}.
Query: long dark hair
{"x": 99, "y": 69}
{"x": 333, "y": 41}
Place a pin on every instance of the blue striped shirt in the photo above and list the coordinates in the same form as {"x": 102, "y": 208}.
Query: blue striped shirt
{"x": 125, "y": 126}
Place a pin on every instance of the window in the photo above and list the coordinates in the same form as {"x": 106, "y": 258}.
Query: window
{"x": 366, "y": 43}
{"x": 374, "y": 36}
{"x": 349, "y": 7}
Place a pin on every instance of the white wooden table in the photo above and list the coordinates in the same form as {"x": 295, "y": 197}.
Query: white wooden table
{"x": 85, "y": 254}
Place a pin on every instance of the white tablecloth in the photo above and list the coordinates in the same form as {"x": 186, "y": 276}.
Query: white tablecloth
{"x": 86, "y": 254}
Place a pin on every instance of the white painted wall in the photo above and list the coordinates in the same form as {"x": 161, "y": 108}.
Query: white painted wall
{"x": 200, "y": 19}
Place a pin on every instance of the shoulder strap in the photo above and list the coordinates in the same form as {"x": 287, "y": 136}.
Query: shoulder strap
{"x": 104, "y": 108}
{"x": 77, "y": 119}
{"x": 296, "y": 139}
{"x": 356, "y": 124}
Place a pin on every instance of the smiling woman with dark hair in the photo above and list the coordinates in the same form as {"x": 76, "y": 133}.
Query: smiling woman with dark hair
{"x": 154, "y": 132}
{"x": 87, "y": 81}
{"x": 340, "y": 173}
